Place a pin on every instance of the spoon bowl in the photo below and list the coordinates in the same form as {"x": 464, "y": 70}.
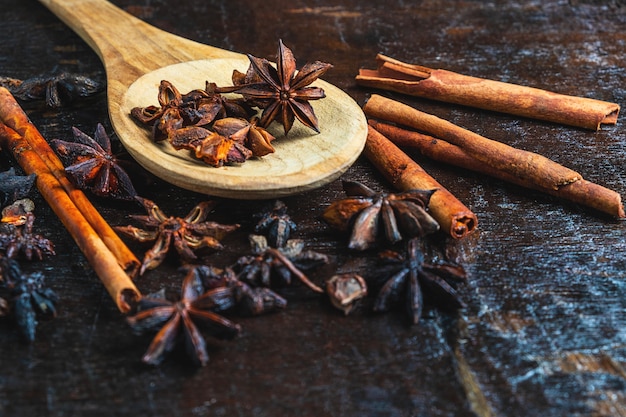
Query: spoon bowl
{"x": 137, "y": 56}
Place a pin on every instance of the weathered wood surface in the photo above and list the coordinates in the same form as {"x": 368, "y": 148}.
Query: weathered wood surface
{"x": 543, "y": 333}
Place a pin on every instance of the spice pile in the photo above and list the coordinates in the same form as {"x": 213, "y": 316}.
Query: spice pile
{"x": 220, "y": 130}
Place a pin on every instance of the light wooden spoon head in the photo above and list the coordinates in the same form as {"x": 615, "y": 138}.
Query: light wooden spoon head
{"x": 303, "y": 160}
{"x": 138, "y": 56}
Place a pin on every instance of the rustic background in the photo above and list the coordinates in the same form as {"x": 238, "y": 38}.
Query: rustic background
{"x": 544, "y": 330}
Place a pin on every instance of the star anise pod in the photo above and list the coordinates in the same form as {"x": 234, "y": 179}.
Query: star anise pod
{"x": 180, "y": 320}
{"x": 230, "y": 140}
{"x": 57, "y": 90}
{"x": 281, "y": 91}
{"x": 164, "y": 118}
{"x": 229, "y": 106}
{"x": 255, "y": 138}
{"x": 30, "y": 297}
{"x": 365, "y": 212}
{"x": 14, "y": 187}
{"x": 18, "y": 239}
{"x": 91, "y": 165}
{"x": 246, "y": 300}
{"x": 196, "y": 108}
{"x": 277, "y": 224}
{"x": 276, "y": 266}
{"x": 411, "y": 277}
{"x": 209, "y": 146}
{"x": 187, "y": 234}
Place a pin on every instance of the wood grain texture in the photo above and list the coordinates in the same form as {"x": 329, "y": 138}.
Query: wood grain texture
{"x": 543, "y": 333}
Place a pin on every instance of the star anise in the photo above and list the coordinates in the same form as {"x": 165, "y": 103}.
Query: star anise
{"x": 196, "y": 108}
{"x": 180, "y": 320}
{"x": 410, "y": 277}
{"x": 276, "y": 266}
{"x": 365, "y": 212}
{"x": 228, "y": 106}
{"x": 57, "y": 90}
{"x": 18, "y": 239}
{"x": 255, "y": 138}
{"x": 90, "y": 165}
{"x": 166, "y": 118}
{"x": 280, "y": 91}
{"x": 14, "y": 187}
{"x": 187, "y": 234}
{"x": 209, "y": 146}
{"x": 30, "y": 297}
{"x": 277, "y": 223}
{"x": 246, "y": 300}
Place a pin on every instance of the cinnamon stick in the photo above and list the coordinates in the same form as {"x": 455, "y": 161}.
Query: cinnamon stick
{"x": 581, "y": 192}
{"x": 405, "y": 174}
{"x": 106, "y": 265}
{"x": 523, "y": 164}
{"x": 12, "y": 115}
{"x": 451, "y": 87}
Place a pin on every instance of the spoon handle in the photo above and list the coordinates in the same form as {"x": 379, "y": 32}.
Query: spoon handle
{"x": 127, "y": 46}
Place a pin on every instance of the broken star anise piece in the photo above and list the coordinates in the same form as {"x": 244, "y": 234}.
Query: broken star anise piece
{"x": 91, "y": 165}
{"x": 18, "y": 239}
{"x": 13, "y": 186}
{"x": 187, "y": 234}
{"x": 410, "y": 277}
{"x": 276, "y": 266}
{"x": 281, "y": 91}
{"x": 365, "y": 212}
{"x": 176, "y": 321}
{"x": 345, "y": 290}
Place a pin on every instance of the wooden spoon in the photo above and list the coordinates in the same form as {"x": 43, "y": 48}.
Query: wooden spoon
{"x": 137, "y": 56}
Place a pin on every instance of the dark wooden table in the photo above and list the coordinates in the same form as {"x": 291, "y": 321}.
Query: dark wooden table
{"x": 544, "y": 331}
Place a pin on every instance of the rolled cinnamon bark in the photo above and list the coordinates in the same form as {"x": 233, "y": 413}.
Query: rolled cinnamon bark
{"x": 405, "y": 174}
{"x": 451, "y": 87}
{"x": 118, "y": 284}
{"x": 12, "y": 115}
{"x": 581, "y": 192}
{"x": 523, "y": 164}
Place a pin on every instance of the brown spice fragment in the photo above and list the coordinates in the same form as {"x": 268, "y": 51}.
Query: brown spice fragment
{"x": 453, "y": 216}
{"x": 581, "y": 192}
{"x": 517, "y": 162}
{"x": 451, "y": 87}
{"x": 345, "y": 290}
